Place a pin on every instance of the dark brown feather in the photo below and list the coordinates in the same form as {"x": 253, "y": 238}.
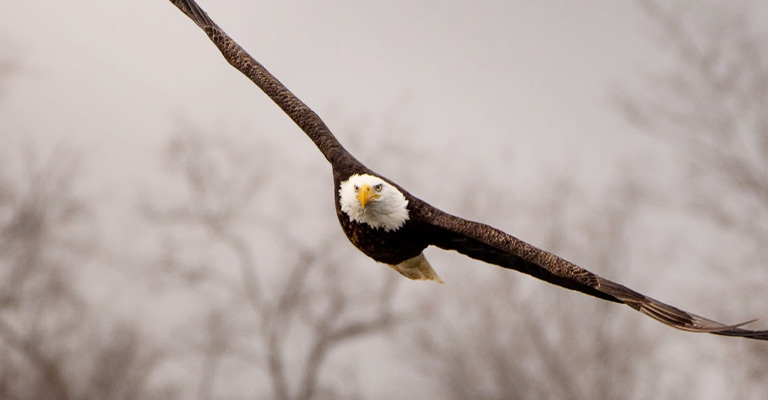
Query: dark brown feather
{"x": 302, "y": 115}
{"x": 428, "y": 225}
{"x": 491, "y": 245}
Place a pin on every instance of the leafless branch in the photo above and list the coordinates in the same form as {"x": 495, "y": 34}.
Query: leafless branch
{"x": 710, "y": 105}
{"x": 51, "y": 334}
{"x": 312, "y": 298}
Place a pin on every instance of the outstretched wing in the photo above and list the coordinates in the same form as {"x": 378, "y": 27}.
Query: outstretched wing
{"x": 302, "y": 115}
{"x": 476, "y": 240}
{"x": 493, "y": 246}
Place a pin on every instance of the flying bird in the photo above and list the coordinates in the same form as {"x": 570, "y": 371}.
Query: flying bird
{"x": 393, "y": 227}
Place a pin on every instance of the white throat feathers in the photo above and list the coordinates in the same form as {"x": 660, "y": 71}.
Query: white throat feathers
{"x": 371, "y": 200}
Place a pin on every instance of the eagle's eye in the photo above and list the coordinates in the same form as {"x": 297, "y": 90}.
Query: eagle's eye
{"x": 378, "y": 187}
{"x": 357, "y": 189}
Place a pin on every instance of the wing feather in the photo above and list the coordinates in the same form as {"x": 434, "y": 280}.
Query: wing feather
{"x": 299, "y": 112}
{"x": 485, "y": 243}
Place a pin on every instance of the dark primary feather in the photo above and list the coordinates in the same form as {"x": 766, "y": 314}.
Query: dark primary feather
{"x": 473, "y": 239}
{"x": 302, "y": 115}
{"x": 491, "y": 245}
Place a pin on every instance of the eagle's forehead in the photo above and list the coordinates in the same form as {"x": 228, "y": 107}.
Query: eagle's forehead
{"x": 365, "y": 179}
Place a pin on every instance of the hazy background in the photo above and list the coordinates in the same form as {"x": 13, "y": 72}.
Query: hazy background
{"x": 167, "y": 232}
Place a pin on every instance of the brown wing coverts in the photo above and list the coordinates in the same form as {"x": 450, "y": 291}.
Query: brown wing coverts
{"x": 299, "y": 112}
{"x": 491, "y": 245}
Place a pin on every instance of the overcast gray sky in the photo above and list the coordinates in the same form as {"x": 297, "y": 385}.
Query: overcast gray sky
{"x": 534, "y": 79}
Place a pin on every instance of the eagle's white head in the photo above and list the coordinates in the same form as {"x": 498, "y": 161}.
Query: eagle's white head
{"x": 371, "y": 200}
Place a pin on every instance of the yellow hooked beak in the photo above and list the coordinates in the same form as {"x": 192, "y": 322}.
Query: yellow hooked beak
{"x": 365, "y": 194}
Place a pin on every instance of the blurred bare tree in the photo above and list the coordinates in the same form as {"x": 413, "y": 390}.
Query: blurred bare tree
{"x": 52, "y": 343}
{"x": 8, "y": 66}
{"x": 711, "y": 105}
{"x": 274, "y": 308}
{"x": 512, "y": 343}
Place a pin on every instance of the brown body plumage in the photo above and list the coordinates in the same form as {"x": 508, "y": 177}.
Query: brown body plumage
{"x": 428, "y": 225}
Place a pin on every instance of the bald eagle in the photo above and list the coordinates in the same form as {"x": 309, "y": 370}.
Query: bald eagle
{"x": 393, "y": 227}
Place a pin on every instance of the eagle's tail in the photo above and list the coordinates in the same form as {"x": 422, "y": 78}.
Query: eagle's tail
{"x": 417, "y": 268}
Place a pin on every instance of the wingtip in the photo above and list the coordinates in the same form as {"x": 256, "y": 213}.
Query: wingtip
{"x": 690, "y": 322}
{"x": 745, "y": 323}
{"x": 192, "y": 10}
{"x": 736, "y": 330}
